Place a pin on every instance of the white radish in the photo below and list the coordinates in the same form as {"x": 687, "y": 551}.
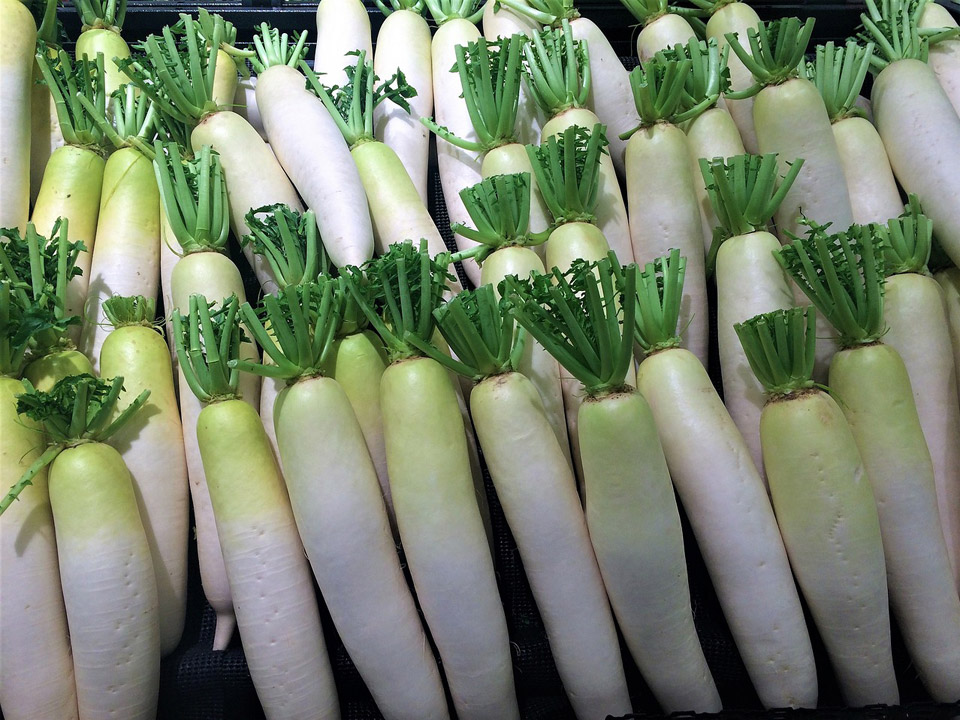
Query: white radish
{"x": 949, "y": 280}
{"x": 18, "y": 38}
{"x": 102, "y": 23}
{"x": 343, "y": 26}
{"x": 944, "y": 55}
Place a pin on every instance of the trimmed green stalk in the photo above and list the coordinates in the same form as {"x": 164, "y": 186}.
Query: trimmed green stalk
{"x": 824, "y": 504}
{"x": 102, "y": 22}
{"x": 18, "y": 38}
{"x": 45, "y": 135}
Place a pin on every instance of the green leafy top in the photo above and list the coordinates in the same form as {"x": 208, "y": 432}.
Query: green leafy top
{"x": 289, "y": 241}
{"x": 207, "y": 339}
{"x": 490, "y": 75}
{"x": 50, "y": 30}
{"x": 398, "y": 292}
{"x": 546, "y": 12}
{"x": 838, "y": 73}
{"x": 660, "y": 93}
{"x": 107, "y": 14}
{"x": 781, "y": 347}
{"x": 77, "y": 410}
{"x": 702, "y": 8}
{"x": 445, "y": 10}
{"x": 194, "y": 197}
{"x": 558, "y": 69}
{"x": 352, "y": 106}
{"x": 709, "y": 76}
{"x": 131, "y": 123}
{"x": 842, "y": 274}
{"x": 20, "y": 324}
{"x": 567, "y": 168}
{"x": 659, "y": 297}
{"x": 412, "y": 5}
{"x": 894, "y": 26}
{"x": 646, "y": 11}
{"x": 777, "y": 50}
{"x": 907, "y": 240}
{"x": 133, "y": 310}
{"x": 274, "y": 48}
{"x": 577, "y": 317}
{"x": 68, "y": 80}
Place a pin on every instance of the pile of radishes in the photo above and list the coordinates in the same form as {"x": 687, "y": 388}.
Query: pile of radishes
{"x": 344, "y": 413}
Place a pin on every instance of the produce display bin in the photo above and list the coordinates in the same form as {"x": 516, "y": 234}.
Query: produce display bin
{"x": 200, "y": 684}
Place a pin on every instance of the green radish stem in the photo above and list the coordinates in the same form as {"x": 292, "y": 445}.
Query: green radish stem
{"x": 18, "y": 37}
{"x": 824, "y": 504}
{"x": 843, "y": 276}
{"x": 662, "y": 29}
{"x": 102, "y": 22}
{"x": 45, "y": 135}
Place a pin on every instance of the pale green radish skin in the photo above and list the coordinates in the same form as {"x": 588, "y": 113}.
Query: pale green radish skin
{"x": 338, "y": 506}
{"x": 404, "y": 42}
{"x": 828, "y": 519}
{"x": 225, "y": 81}
{"x": 270, "y": 580}
{"x": 444, "y": 537}
{"x": 47, "y": 371}
{"x": 611, "y": 211}
{"x": 737, "y": 17}
{"x": 342, "y": 26}
{"x": 634, "y": 524}
{"x": 874, "y": 197}
{"x": 126, "y": 252}
{"x": 311, "y": 149}
{"x": 710, "y": 135}
{"x": 18, "y": 43}
{"x": 917, "y": 328}
{"x": 665, "y": 214}
{"x": 108, "y": 42}
{"x": 36, "y": 667}
{"x": 151, "y": 445}
{"x": 944, "y": 56}
{"x": 536, "y": 487}
{"x": 512, "y": 158}
{"x": 949, "y": 280}
{"x": 750, "y": 281}
{"x": 114, "y": 621}
{"x": 923, "y": 147}
{"x": 253, "y": 175}
{"x": 245, "y": 104}
{"x": 664, "y": 32}
{"x": 459, "y": 168}
{"x": 735, "y": 527}
{"x": 45, "y": 135}
{"x": 873, "y": 384}
{"x": 71, "y": 189}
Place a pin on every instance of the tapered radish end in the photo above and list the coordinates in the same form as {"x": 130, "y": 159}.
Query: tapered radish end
{"x": 226, "y": 624}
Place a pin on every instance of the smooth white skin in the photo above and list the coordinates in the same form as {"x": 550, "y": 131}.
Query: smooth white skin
{"x": 36, "y": 668}
{"x": 878, "y": 403}
{"x": 253, "y": 175}
{"x": 270, "y": 579}
{"x": 169, "y": 247}
{"x": 459, "y": 168}
{"x": 342, "y": 26}
{"x": 713, "y": 134}
{"x": 610, "y": 95}
{"x": 734, "y": 525}
{"x": 404, "y": 42}
{"x": 109, "y": 586}
{"x": 126, "y": 252}
{"x": 828, "y": 518}
{"x": 444, "y": 538}
{"x": 874, "y": 197}
{"x": 749, "y": 281}
{"x": 45, "y": 135}
{"x": 737, "y": 17}
{"x": 921, "y": 132}
{"x": 18, "y": 43}
{"x": 539, "y": 496}
{"x": 512, "y": 158}
{"x": 151, "y": 445}
{"x": 111, "y": 45}
{"x": 914, "y": 309}
{"x": 340, "y": 514}
{"x": 611, "y": 210}
{"x": 312, "y": 151}
{"x": 245, "y": 104}
{"x": 662, "y": 33}
{"x": 944, "y": 56}
{"x": 631, "y": 511}
{"x": 664, "y": 214}
{"x": 949, "y": 280}
{"x": 225, "y": 81}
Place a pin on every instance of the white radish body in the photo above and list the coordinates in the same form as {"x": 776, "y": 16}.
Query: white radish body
{"x": 949, "y": 280}
{"x": 342, "y": 26}
{"x": 340, "y": 514}
{"x": 111, "y": 45}
{"x": 735, "y": 527}
{"x": 310, "y": 147}
{"x": 404, "y": 43}
{"x": 36, "y": 668}
{"x": 18, "y": 43}
{"x": 737, "y": 17}
{"x": 923, "y": 147}
{"x": 874, "y": 197}
{"x": 245, "y": 104}
{"x": 944, "y": 56}
{"x": 915, "y": 313}
{"x": 662, "y": 33}
{"x": 225, "y": 82}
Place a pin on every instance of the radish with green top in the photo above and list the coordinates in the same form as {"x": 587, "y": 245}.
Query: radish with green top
{"x": 631, "y": 508}
{"x": 102, "y": 21}
{"x": 343, "y": 27}
{"x": 18, "y": 38}
{"x": 231, "y": 60}
{"x": 838, "y": 73}
{"x": 114, "y": 624}
{"x": 276, "y": 606}
{"x": 749, "y": 279}
{"x": 126, "y": 252}
{"x": 825, "y": 506}
{"x": 843, "y": 276}
{"x": 500, "y": 22}
{"x": 403, "y": 43}
{"x": 36, "y": 668}
{"x": 724, "y": 498}
{"x": 338, "y": 505}
{"x": 433, "y": 490}
{"x": 664, "y": 211}
{"x": 662, "y": 28}
{"x": 944, "y": 56}
{"x": 151, "y": 445}
{"x": 311, "y": 149}
{"x": 918, "y": 329}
